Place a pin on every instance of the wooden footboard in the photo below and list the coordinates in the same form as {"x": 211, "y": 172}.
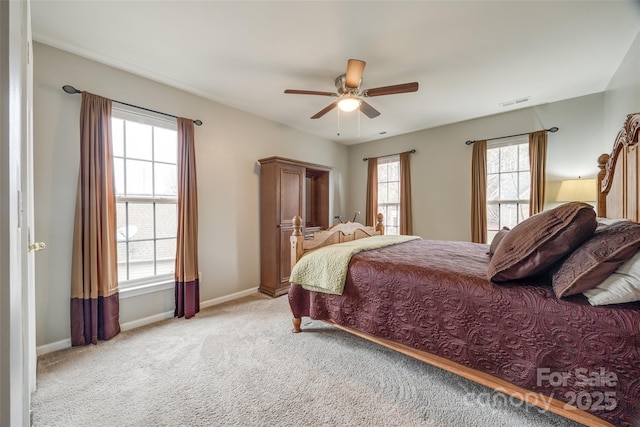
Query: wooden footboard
{"x": 339, "y": 233}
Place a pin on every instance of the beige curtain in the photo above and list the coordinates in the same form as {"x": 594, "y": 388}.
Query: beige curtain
{"x": 187, "y": 286}
{"x": 406, "y": 222}
{"x": 479, "y": 192}
{"x": 94, "y": 272}
{"x": 372, "y": 192}
{"x": 538, "y": 161}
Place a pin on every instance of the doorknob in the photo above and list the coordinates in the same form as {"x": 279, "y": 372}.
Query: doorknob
{"x": 37, "y": 246}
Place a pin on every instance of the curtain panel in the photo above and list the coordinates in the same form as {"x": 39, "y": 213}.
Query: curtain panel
{"x": 406, "y": 221}
{"x": 94, "y": 272}
{"x": 372, "y": 192}
{"x": 479, "y": 192}
{"x": 187, "y": 281}
{"x": 538, "y": 164}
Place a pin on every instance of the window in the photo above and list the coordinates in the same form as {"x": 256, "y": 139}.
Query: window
{"x": 389, "y": 193}
{"x": 145, "y": 154}
{"x": 508, "y": 183}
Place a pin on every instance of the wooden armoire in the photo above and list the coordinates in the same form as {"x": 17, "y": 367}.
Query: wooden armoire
{"x": 288, "y": 188}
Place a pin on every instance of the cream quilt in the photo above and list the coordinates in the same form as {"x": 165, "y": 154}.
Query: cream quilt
{"x": 325, "y": 269}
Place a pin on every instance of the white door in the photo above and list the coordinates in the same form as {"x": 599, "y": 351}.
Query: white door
{"x": 17, "y": 355}
{"x": 29, "y": 246}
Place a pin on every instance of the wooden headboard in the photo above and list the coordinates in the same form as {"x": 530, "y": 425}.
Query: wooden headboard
{"x": 619, "y": 176}
{"x": 338, "y": 233}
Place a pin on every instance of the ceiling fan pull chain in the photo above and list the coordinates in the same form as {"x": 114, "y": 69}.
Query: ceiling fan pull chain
{"x": 358, "y": 124}
{"x": 338, "y": 122}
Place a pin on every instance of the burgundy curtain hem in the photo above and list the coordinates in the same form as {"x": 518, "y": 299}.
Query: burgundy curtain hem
{"x": 94, "y": 319}
{"x": 187, "y": 298}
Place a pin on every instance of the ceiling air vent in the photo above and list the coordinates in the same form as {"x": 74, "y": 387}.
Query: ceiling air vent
{"x": 514, "y": 102}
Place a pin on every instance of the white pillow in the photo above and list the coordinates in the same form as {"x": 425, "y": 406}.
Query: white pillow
{"x": 605, "y": 222}
{"x": 623, "y": 285}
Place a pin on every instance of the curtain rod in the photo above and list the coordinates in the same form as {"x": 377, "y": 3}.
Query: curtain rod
{"x": 553, "y": 129}
{"x": 389, "y": 155}
{"x": 72, "y": 90}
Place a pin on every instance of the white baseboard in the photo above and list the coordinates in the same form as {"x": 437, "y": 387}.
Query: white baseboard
{"x": 146, "y": 321}
{"x": 66, "y": 343}
{"x": 54, "y": 346}
{"x": 220, "y": 300}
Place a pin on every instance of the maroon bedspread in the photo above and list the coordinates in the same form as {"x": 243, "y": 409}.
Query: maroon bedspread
{"x": 434, "y": 296}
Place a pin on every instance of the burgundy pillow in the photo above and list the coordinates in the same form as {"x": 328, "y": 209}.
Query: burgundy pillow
{"x": 497, "y": 239}
{"x": 593, "y": 261}
{"x": 541, "y": 240}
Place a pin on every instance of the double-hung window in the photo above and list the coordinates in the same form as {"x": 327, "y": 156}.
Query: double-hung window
{"x": 145, "y": 153}
{"x": 389, "y": 193}
{"x": 508, "y": 185}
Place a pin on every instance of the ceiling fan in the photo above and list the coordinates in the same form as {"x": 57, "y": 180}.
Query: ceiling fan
{"x": 349, "y": 93}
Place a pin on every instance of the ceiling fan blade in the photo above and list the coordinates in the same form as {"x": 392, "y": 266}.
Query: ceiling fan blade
{"x": 368, "y": 110}
{"x": 390, "y": 90}
{"x": 325, "y": 110}
{"x": 355, "y": 68}
{"x": 309, "y": 92}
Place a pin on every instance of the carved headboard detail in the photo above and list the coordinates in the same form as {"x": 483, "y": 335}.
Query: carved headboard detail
{"x": 618, "y": 179}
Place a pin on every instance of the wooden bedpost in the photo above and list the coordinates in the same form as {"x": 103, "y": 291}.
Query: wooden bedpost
{"x": 379, "y": 224}
{"x": 297, "y": 240}
{"x": 602, "y": 196}
{"x": 297, "y": 250}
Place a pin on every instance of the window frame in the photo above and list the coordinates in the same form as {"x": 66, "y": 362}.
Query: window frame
{"x": 146, "y": 284}
{"x": 387, "y": 226}
{"x": 522, "y": 141}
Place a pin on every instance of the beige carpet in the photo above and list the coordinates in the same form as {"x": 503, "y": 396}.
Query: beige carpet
{"x": 238, "y": 364}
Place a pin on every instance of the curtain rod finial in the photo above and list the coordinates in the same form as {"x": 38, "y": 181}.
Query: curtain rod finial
{"x": 197, "y": 122}
{"x": 553, "y": 129}
{"x": 70, "y": 89}
{"x": 469, "y": 142}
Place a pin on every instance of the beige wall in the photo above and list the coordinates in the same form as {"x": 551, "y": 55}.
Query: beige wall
{"x": 441, "y": 167}
{"x": 227, "y": 147}
{"x": 622, "y": 96}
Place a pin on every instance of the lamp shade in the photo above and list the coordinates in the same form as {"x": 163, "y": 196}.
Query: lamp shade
{"x": 577, "y": 190}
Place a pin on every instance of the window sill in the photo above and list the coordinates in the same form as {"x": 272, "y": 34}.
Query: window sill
{"x": 148, "y": 288}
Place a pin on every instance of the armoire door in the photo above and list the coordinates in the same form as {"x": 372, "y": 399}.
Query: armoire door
{"x": 291, "y": 194}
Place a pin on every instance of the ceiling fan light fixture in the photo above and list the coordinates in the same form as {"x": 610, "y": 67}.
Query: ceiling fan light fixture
{"x": 349, "y": 103}
{"x": 350, "y": 96}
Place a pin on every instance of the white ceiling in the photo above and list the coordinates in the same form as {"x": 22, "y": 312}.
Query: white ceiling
{"x": 467, "y": 56}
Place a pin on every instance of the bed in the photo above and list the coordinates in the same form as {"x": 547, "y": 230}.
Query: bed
{"x": 434, "y": 301}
